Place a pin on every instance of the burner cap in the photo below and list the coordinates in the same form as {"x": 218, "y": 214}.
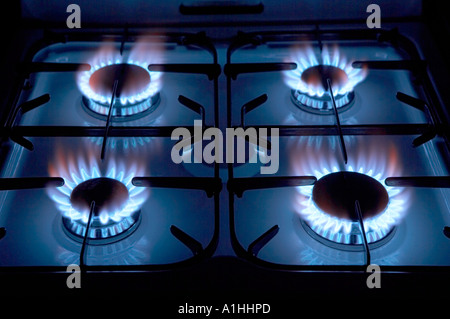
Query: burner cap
{"x": 109, "y": 194}
{"x": 318, "y": 75}
{"x": 313, "y": 97}
{"x": 133, "y": 79}
{"x": 137, "y": 93}
{"x": 336, "y": 193}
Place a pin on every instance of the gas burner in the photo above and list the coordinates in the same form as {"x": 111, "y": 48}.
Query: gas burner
{"x": 336, "y": 194}
{"x": 330, "y": 215}
{"x": 317, "y": 76}
{"x": 117, "y": 202}
{"x": 133, "y": 95}
{"x": 309, "y": 82}
{"x": 136, "y": 95}
{"x": 327, "y": 208}
{"x": 109, "y": 195}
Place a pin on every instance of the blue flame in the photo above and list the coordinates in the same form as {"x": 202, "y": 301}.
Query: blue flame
{"x": 338, "y": 229}
{"x": 376, "y": 159}
{"x": 306, "y": 58}
{"x": 76, "y": 172}
{"x": 137, "y": 101}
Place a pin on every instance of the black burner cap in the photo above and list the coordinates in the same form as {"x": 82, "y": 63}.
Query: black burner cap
{"x": 336, "y": 193}
{"x": 133, "y": 79}
{"x": 108, "y": 193}
{"x": 317, "y": 75}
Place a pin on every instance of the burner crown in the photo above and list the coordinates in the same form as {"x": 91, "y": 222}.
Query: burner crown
{"x": 107, "y": 193}
{"x": 337, "y": 192}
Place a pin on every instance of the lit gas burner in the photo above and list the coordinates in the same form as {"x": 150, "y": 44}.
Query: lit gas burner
{"x": 336, "y": 193}
{"x": 117, "y": 202}
{"x": 309, "y": 82}
{"x": 327, "y": 208}
{"x": 137, "y": 92}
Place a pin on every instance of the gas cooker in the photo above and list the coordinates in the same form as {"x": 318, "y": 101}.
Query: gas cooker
{"x": 225, "y": 228}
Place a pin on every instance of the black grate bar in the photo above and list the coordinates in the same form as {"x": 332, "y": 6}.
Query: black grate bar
{"x": 431, "y": 132}
{"x": 22, "y": 109}
{"x": 193, "y": 106}
{"x": 338, "y": 123}
{"x": 34, "y": 67}
{"x": 234, "y": 69}
{"x": 83, "y": 245}
{"x": 220, "y": 7}
{"x": 31, "y": 105}
{"x": 210, "y": 185}
{"x": 419, "y": 181}
{"x": 239, "y": 185}
{"x": 319, "y": 37}
{"x": 22, "y": 141}
{"x": 87, "y": 131}
{"x": 194, "y": 245}
{"x": 242, "y": 39}
{"x": 35, "y": 103}
{"x": 211, "y": 70}
{"x": 124, "y": 39}
{"x": 412, "y": 65}
{"x": 199, "y": 39}
{"x": 363, "y": 232}
{"x": 166, "y": 131}
{"x": 255, "y": 247}
{"x": 412, "y": 101}
{"x": 108, "y": 120}
{"x": 446, "y": 231}
{"x": 325, "y": 34}
{"x": 425, "y": 137}
{"x": 330, "y": 130}
{"x": 251, "y": 105}
{"x": 30, "y": 182}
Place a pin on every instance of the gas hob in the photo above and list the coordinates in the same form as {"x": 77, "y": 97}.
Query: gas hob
{"x": 356, "y": 134}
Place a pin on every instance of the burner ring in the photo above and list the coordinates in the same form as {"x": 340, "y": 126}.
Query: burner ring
{"x": 322, "y": 105}
{"x": 100, "y": 234}
{"x": 121, "y": 112}
{"x": 354, "y": 243}
{"x": 315, "y": 78}
{"x": 109, "y": 195}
